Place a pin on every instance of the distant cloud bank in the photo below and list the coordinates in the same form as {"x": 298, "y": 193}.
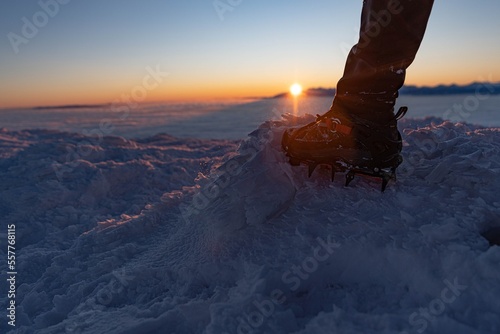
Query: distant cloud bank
{"x": 473, "y": 88}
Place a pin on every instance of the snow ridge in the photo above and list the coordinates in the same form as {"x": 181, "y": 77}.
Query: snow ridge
{"x": 162, "y": 235}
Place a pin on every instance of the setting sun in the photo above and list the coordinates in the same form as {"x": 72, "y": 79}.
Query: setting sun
{"x": 296, "y": 89}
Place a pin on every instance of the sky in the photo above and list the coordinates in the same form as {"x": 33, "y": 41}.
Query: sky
{"x": 94, "y": 51}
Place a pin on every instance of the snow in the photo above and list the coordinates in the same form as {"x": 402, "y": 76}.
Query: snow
{"x": 230, "y": 119}
{"x": 176, "y": 235}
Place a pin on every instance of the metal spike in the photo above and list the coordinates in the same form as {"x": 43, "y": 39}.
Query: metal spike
{"x": 333, "y": 173}
{"x": 312, "y": 167}
{"x": 385, "y": 181}
{"x": 349, "y": 177}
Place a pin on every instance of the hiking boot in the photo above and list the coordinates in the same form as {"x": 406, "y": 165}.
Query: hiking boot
{"x": 347, "y": 143}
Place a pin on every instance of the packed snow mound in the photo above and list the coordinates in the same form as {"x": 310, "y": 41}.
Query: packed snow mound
{"x": 162, "y": 235}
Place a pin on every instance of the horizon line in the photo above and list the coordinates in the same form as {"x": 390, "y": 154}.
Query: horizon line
{"x": 221, "y": 100}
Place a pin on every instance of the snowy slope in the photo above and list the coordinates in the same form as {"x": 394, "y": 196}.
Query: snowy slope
{"x": 193, "y": 236}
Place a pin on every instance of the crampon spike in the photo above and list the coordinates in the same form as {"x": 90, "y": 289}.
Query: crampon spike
{"x": 393, "y": 171}
{"x": 349, "y": 177}
{"x": 385, "y": 181}
{"x": 312, "y": 167}
{"x": 385, "y": 175}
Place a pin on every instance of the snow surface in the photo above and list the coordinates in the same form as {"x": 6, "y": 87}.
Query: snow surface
{"x": 229, "y": 119}
{"x": 167, "y": 235}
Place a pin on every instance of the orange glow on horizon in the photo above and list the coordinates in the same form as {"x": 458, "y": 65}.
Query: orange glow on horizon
{"x": 14, "y": 96}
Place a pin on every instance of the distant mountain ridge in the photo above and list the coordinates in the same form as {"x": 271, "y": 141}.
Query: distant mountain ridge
{"x": 473, "y": 88}
{"x": 73, "y": 106}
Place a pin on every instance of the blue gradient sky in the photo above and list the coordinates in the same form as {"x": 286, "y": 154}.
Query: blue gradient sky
{"x": 93, "y": 51}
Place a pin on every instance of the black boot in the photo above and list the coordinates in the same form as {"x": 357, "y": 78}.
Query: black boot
{"x": 359, "y": 133}
{"x": 347, "y": 143}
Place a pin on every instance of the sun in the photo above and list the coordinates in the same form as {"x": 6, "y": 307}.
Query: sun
{"x": 296, "y": 89}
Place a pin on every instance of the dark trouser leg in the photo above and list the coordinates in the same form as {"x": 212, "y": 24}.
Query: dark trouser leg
{"x": 391, "y": 33}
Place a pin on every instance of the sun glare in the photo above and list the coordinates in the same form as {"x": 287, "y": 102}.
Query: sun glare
{"x": 296, "y": 89}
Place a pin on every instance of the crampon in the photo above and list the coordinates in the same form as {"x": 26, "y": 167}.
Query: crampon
{"x": 350, "y": 146}
{"x": 385, "y": 175}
